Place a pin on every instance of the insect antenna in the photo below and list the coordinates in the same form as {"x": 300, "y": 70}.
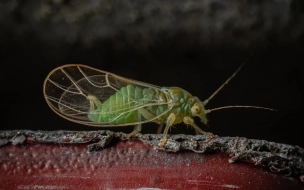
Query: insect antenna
{"x": 238, "y": 106}
{"x": 225, "y": 83}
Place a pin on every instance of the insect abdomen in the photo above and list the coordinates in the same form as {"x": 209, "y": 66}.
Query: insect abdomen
{"x": 119, "y": 108}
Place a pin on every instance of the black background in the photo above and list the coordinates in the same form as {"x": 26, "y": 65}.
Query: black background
{"x": 197, "y": 59}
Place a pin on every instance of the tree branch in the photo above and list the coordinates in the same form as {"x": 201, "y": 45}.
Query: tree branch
{"x": 278, "y": 157}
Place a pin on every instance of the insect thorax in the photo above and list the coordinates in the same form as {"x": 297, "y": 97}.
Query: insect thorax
{"x": 182, "y": 103}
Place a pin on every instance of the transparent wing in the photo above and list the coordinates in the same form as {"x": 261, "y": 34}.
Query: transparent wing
{"x": 66, "y": 90}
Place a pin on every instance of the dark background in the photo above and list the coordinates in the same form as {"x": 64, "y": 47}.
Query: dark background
{"x": 195, "y": 45}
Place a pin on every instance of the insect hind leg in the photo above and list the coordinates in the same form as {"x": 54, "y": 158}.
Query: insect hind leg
{"x": 94, "y": 102}
{"x": 160, "y": 128}
{"x": 142, "y": 112}
{"x": 137, "y": 129}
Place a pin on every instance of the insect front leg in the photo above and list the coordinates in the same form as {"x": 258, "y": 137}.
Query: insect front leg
{"x": 170, "y": 120}
{"x": 190, "y": 121}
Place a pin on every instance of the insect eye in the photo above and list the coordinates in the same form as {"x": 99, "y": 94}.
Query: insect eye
{"x": 196, "y": 109}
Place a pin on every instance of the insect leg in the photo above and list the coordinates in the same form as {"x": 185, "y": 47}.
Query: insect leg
{"x": 169, "y": 123}
{"x": 147, "y": 115}
{"x": 94, "y": 102}
{"x": 190, "y": 121}
{"x": 137, "y": 128}
{"x": 160, "y": 128}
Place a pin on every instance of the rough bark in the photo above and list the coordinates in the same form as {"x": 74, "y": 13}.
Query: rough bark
{"x": 278, "y": 157}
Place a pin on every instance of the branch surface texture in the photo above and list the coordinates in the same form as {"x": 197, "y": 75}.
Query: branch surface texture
{"x": 278, "y": 157}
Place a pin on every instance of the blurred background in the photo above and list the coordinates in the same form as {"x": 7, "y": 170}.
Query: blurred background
{"x": 195, "y": 45}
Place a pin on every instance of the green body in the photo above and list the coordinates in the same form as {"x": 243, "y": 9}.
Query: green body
{"x": 123, "y": 107}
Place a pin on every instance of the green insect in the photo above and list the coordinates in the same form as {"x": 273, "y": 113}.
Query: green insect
{"x": 93, "y": 97}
